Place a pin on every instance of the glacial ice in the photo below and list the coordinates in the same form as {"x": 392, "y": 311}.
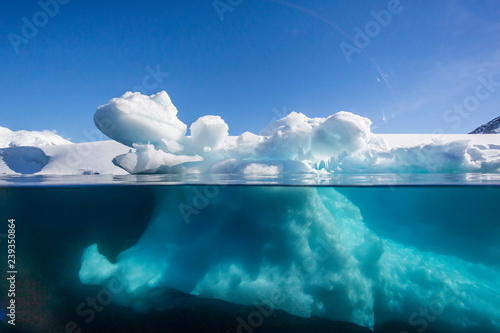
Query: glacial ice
{"x": 307, "y": 251}
{"x": 340, "y": 143}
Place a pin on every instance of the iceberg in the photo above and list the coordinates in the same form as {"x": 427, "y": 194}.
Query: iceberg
{"x": 309, "y": 251}
{"x": 136, "y": 118}
{"x": 371, "y": 256}
{"x": 340, "y": 143}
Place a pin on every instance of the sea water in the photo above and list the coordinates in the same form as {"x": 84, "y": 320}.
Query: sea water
{"x": 392, "y": 253}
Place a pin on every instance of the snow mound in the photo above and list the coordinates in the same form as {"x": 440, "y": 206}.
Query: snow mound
{"x": 23, "y": 138}
{"x": 340, "y": 143}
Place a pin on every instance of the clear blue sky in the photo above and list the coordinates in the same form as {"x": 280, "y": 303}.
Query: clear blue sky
{"x": 263, "y": 55}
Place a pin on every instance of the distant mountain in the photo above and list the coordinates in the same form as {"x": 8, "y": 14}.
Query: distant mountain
{"x": 492, "y": 127}
{"x": 22, "y": 138}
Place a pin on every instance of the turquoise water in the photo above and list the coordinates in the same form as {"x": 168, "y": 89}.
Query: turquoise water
{"x": 394, "y": 253}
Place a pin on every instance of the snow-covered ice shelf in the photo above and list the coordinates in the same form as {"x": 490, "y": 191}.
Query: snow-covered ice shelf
{"x": 150, "y": 138}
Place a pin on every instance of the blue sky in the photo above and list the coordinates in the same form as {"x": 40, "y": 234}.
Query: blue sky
{"x": 415, "y": 66}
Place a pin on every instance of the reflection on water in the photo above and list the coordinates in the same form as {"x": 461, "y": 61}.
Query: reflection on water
{"x": 392, "y": 179}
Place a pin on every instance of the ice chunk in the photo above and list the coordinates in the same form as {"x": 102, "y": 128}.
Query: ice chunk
{"x": 245, "y": 145}
{"x": 343, "y": 132}
{"x": 287, "y": 138}
{"x": 136, "y": 118}
{"x": 292, "y": 123}
{"x": 208, "y": 133}
{"x": 147, "y": 159}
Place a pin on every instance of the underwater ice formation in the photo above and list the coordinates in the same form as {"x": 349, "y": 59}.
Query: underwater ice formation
{"x": 304, "y": 250}
{"x": 341, "y": 143}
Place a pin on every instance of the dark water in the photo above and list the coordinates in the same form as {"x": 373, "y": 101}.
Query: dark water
{"x": 54, "y": 224}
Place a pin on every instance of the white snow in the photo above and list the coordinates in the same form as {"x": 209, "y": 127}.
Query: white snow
{"x": 4, "y": 131}
{"x": 84, "y": 158}
{"x": 65, "y": 159}
{"x": 23, "y": 138}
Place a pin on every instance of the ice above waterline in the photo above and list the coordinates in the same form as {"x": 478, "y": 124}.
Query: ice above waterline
{"x": 306, "y": 251}
{"x": 135, "y": 118}
{"x": 342, "y": 143}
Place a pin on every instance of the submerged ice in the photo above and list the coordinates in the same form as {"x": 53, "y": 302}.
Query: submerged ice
{"x": 304, "y": 250}
{"x": 342, "y": 143}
